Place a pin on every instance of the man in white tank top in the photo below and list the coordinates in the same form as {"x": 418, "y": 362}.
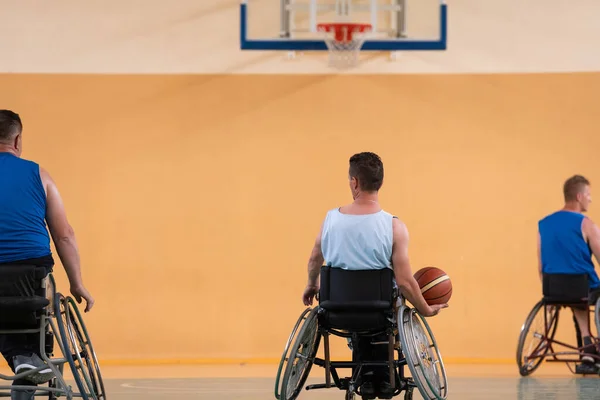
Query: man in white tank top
{"x": 361, "y": 235}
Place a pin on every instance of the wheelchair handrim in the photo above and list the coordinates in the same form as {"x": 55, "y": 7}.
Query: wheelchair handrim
{"x": 439, "y": 356}
{"x": 312, "y": 317}
{"x": 523, "y": 335}
{"x": 597, "y": 315}
{"x": 412, "y": 367}
{"x": 74, "y": 342}
{"x": 98, "y": 374}
{"x": 67, "y": 350}
{"x": 286, "y": 350}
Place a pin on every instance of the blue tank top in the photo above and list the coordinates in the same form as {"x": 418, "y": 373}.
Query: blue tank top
{"x": 23, "y": 233}
{"x": 357, "y": 242}
{"x": 563, "y": 248}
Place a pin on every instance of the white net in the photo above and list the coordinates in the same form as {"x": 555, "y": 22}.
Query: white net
{"x": 344, "y": 42}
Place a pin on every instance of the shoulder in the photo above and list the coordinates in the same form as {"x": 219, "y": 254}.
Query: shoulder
{"x": 395, "y": 219}
{"x": 31, "y": 165}
{"x": 549, "y": 216}
{"x": 399, "y": 228}
{"x": 587, "y": 224}
{"x": 44, "y": 174}
{"x": 332, "y": 212}
{"x": 329, "y": 215}
{"x": 25, "y": 161}
{"x": 46, "y": 179}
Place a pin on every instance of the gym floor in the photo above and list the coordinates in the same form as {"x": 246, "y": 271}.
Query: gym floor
{"x": 466, "y": 382}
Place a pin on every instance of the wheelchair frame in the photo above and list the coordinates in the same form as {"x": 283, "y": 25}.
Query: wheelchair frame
{"x": 396, "y": 330}
{"x": 544, "y": 351}
{"x": 61, "y": 320}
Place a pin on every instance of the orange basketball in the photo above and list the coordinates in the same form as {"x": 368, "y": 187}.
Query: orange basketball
{"x": 435, "y": 285}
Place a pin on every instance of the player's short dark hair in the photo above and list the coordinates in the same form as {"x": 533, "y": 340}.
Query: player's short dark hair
{"x": 10, "y": 125}
{"x": 367, "y": 168}
{"x": 573, "y": 186}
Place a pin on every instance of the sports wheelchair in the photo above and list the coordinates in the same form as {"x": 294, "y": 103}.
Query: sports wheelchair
{"x": 44, "y": 312}
{"x": 362, "y": 306}
{"x": 559, "y": 291}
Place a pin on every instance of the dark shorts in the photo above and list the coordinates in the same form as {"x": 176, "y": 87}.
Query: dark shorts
{"x": 23, "y": 344}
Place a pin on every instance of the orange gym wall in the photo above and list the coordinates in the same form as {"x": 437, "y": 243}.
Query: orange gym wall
{"x": 196, "y": 199}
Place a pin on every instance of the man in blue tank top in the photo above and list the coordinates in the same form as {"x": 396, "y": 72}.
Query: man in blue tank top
{"x": 361, "y": 235}
{"x": 29, "y": 199}
{"x": 567, "y": 239}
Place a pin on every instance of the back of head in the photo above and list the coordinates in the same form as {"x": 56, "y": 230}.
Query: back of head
{"x": 367, "y": 169}
{"x": 574, "y": 186}
{"x": 10, "y": 126}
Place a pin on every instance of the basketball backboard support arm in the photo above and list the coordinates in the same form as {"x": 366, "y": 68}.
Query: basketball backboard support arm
{"x": 286, "y": 43}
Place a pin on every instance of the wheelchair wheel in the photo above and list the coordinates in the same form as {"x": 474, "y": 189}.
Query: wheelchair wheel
{"x": 534, "y": 329}
{"x": 85, "y": 350}
{"x": 74, "y": 353}
{"x": 597, "y": 316}
{"x": 301, "y": 357}
{"x": 422, "y": 355}
{"x": 285, "y": 355}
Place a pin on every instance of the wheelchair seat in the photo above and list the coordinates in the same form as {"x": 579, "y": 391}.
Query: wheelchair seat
{"x": 356, "y": 300}
{"x": 21, "y": 304}
{"x": 565, "y": 289}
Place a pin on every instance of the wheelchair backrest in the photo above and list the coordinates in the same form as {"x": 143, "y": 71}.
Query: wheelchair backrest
{"x": 567, "y": 286}
{"x": 350, "y": 286}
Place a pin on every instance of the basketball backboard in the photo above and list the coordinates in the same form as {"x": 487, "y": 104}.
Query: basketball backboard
{"x": 291, "y": 25}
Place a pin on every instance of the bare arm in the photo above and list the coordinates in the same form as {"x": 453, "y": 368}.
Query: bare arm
{"x": 63, "y": 237}
{"x": 315, "y": 262}
{"x": 314, "y": 269}
{"x": 591, "y": 233}
{"x": 402, "y": 271}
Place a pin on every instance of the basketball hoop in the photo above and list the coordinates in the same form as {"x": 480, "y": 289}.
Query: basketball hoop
{"x": 344, "y": 41}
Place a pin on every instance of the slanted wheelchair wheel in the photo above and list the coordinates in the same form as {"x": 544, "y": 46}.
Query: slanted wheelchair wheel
{"x": 77, "y": 349}
{"x": 85, "y": 349}
{"x": 60, "y": 313}
{"x": 286, "y": 350}
{"x": 597, "y": 316}
{"x": 422, "y": 355}
{"x": 301, "y": 357}
{"x": 534, "y": 337}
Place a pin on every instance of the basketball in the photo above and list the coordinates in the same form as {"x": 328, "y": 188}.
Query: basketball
{"x": 435, "y": 285}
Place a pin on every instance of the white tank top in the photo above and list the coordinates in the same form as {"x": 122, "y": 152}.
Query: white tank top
{"x": 357, "y": 242}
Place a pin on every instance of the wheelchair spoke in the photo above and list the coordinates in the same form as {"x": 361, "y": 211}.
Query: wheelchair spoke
{"x": 302, "y": 356}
